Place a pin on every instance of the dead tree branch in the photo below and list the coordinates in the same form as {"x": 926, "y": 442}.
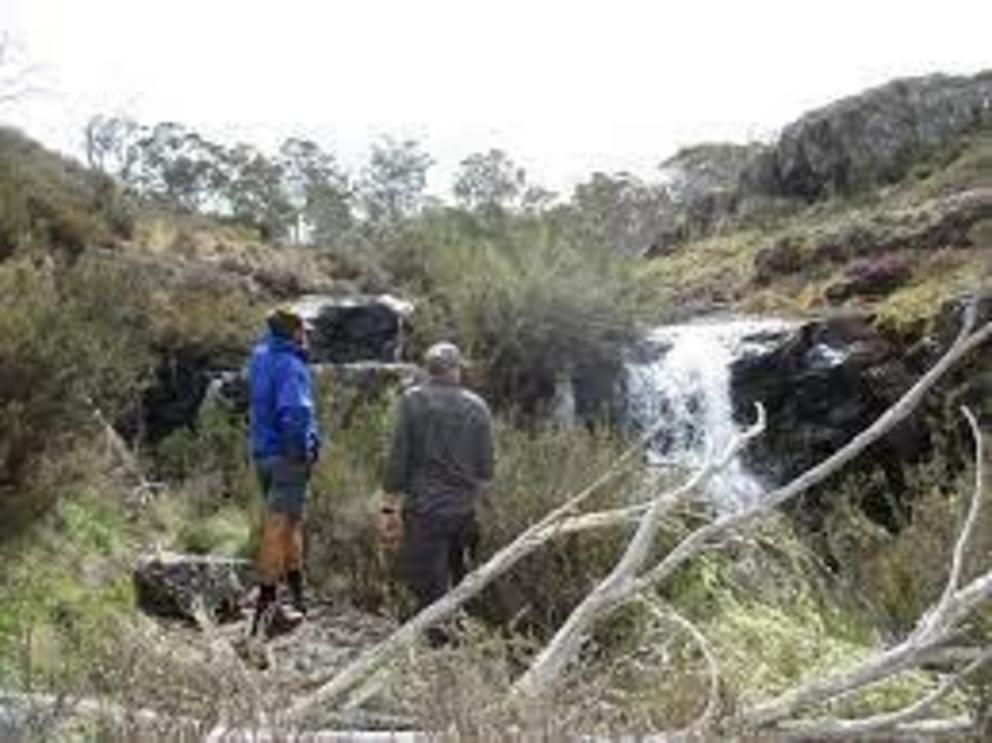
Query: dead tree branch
{"x": 935, "y": 628}
{"x": 615, "y": 588}
{"x": 702, "y": 723}
{"x": 355, "y": 673}
{"x": 888, "y": 721}
{"x": 540, "y": 675}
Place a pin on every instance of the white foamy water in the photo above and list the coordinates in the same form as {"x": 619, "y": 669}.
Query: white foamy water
{"x": 688, "y": 389}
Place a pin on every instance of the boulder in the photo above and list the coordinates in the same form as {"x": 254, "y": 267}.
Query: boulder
{"x": 355, "y": 328}
{"x": 172, "y": 585}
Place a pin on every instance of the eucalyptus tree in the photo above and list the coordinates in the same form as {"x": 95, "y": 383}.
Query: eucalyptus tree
{"x": 621, "y": 211}
{"x": 393, "y": 182}
{"x": 319, "y": 189}
{"x": 489, "y": 183}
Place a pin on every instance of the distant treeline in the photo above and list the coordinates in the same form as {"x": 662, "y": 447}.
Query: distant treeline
{"x": 302, "y": 184}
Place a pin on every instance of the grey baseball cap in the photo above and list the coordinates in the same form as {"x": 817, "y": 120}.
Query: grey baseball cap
{"x": 442, "y": 357}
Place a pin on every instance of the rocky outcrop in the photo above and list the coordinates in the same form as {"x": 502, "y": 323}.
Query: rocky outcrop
{"x": 871, "y": 138}
{"x": 823, "y": 384}
{"x": 830, "y": 379}
{"x": 174, "y": 585}
{"x": 356, "y": 328}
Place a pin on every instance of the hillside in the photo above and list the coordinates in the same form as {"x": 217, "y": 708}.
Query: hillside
{"x": 898, "y": 251}
{"x": 128, "y": 303}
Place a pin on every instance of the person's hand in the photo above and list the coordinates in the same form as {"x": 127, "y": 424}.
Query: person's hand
{"x": 313, "y": 448}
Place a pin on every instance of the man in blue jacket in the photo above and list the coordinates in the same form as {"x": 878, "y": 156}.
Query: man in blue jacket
{"x": 285, "y": 444}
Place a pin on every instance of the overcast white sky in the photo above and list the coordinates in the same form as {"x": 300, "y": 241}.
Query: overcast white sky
{"x": 567, "y": 87}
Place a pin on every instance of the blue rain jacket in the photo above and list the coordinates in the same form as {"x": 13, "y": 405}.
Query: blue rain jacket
{"x": 283, "y": 419}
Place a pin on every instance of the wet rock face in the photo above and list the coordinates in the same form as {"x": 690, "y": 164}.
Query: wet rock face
{"x": 350, "y": 329}
{"x": 364, "y": 333}
{"x": 180, "y": 382}
{"x": 172, "y": 585}
{"x": 873, "y": 137}
{"x": 821, "y": 386}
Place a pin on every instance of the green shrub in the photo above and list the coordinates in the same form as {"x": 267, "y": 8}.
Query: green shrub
{"x": 69, "y": 346}
{"x": 52, "y": 201}
{"x": 525, "y": 303}
{"x": 341, "y": 554}
{"x": 216, "y": 449}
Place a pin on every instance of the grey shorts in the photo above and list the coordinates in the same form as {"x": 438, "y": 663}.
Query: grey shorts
{"x": 284, "y": 485}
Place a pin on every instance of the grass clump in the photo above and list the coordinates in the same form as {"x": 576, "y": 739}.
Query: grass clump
{"x": 65, "y": 581}
{"x": 939, "y": 276}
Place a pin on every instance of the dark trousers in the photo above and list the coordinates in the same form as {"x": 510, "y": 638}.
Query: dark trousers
{"x": 434, "y": 557}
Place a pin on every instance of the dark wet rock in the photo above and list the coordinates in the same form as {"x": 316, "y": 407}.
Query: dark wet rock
{"x": 172, "y": 585}
{"x": 822, "y": 385}
{"x": 171, "y": 401}
{"x": 356, "y": 328}
{"x": 874, "y": 277}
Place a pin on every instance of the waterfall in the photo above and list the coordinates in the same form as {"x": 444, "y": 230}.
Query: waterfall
{"x": 685, "y": 383}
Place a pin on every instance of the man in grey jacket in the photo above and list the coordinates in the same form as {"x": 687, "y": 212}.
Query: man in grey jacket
{"x": 441, "y": 459}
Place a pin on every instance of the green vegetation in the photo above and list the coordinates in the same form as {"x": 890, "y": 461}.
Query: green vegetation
{"x": 71, "y": 347}
{"x": 720, "y": 270}
{"x": 65, "y": 581}
{"x": 533, "y": 292}
{"x": 53, "y": 202}
{"x": 526, "y": 303}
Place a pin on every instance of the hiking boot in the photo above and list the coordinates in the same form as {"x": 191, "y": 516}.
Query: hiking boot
{"x": 264, "y": 605}
{"x": 297, "y": 591}
{"x": 285, "y": 619}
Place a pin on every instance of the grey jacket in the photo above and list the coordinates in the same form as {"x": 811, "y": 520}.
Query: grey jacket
{"x": 442, "y": 449}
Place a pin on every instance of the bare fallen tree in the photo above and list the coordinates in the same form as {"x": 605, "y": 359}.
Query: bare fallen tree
{"x": 938, "y": 625}
{"x": 633, "y": 578}
{"x": 625, "y": 582}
